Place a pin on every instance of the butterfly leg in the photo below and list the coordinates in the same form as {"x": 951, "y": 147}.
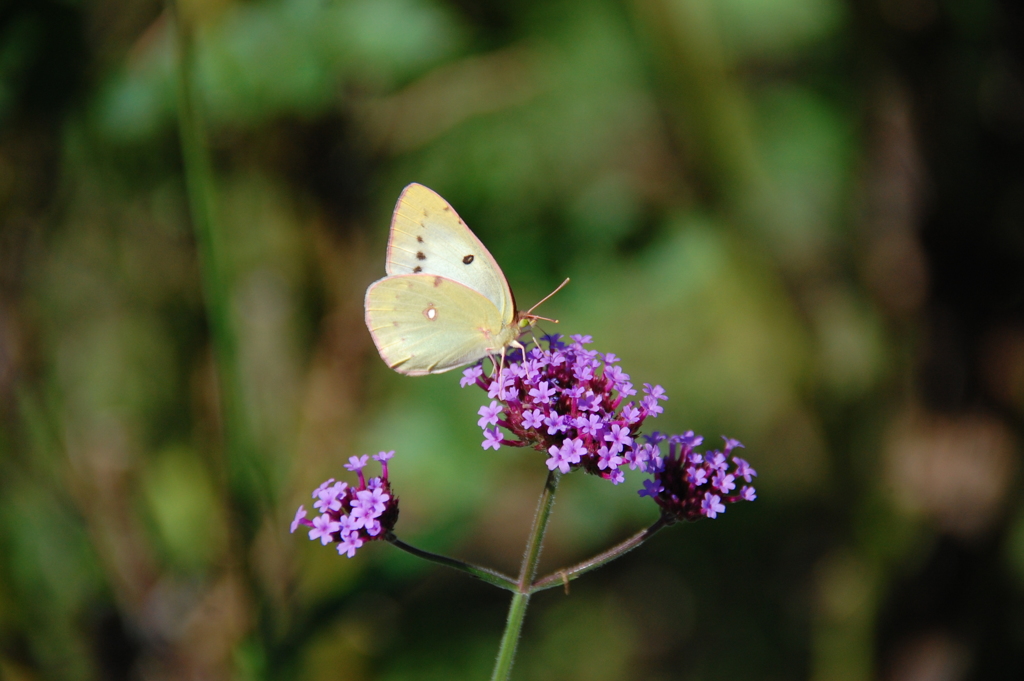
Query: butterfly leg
{"x": 497, "y": 364}
{"x": 519, "y": 346}
{"x": 502, "y": 365}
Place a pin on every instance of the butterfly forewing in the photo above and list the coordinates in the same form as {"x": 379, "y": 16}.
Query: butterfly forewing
{"x": 428, "y": 237}
{"x": 428, "y": 324}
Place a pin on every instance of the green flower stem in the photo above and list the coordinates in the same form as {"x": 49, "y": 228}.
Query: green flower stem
{"x": 568, "y": 574}
{"x": 247, "y": 485}
{"x": 527, "y": 572}
{"x": 510, "y": 639}
{"x": 490, "y": 576}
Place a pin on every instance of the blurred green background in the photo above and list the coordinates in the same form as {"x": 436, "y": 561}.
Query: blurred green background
{"x": 805, "y": 218}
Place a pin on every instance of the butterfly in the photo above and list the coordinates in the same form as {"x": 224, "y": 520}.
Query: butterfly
{"x": 444, "y": 302}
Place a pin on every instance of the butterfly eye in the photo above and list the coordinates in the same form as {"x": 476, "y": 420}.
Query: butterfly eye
{"x": 468, "y": 259}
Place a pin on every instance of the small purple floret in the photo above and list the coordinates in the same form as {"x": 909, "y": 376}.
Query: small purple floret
{"x": 492, "y": 438}
{"x": 349, "y": 543}
{"x": 542, "y": 393}
{"x": 618, "y": 438}
{"x": 631, "y": 414}
{"x": 357, "y": 463}
{"x": 374, "y": 500}
{"x": 717, "y": 461}
{"x": 591, "y": 425}
{"x": 711, "y": 506}
{"x": 743, "y": 469}
{"x": 723, "y": 482}
{"x": 489, "y": 415}
{"x": 652, "y": 488}
{"x": 533, "y": 418}
{"x": 300, "y": 515}
{"x": 655, "y": 391}
{"x": 323, "y": 529}
{"x": 322, "y": 487}
{"x": 608, "y": 459}
{"x": 650, "y": 403}
{"x": 471, "y": 375}
{"x": 731, "y": 444}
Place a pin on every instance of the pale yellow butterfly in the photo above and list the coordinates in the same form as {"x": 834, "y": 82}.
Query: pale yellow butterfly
{"x": 445, "y": 302}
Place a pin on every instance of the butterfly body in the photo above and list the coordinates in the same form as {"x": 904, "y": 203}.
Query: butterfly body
{"x": 445, "y": 302}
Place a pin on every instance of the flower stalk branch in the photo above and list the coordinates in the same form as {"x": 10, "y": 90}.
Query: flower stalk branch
{"x": 486, "y": 574}
{"x": 561, "y": 577}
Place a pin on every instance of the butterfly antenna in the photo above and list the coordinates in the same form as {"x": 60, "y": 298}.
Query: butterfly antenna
{"x": 529, "y": 313}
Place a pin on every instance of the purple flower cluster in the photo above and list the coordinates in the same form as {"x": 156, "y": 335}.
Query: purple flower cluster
{"x": 567, "y": 402}
{"x": 350, "y": 516}
{"x": 690, "y": 485}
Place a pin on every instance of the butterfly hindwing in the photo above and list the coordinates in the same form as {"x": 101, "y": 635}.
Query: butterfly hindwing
{"x": 428, "y": 324}
{"x": 428, "y": 237}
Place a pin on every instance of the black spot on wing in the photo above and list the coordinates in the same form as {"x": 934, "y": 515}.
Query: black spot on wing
{"x": 468, "y": 259}
{"x": 421, "y": 256}
{"x": 419, "y": 239}
{"x": 417, "y": 269}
